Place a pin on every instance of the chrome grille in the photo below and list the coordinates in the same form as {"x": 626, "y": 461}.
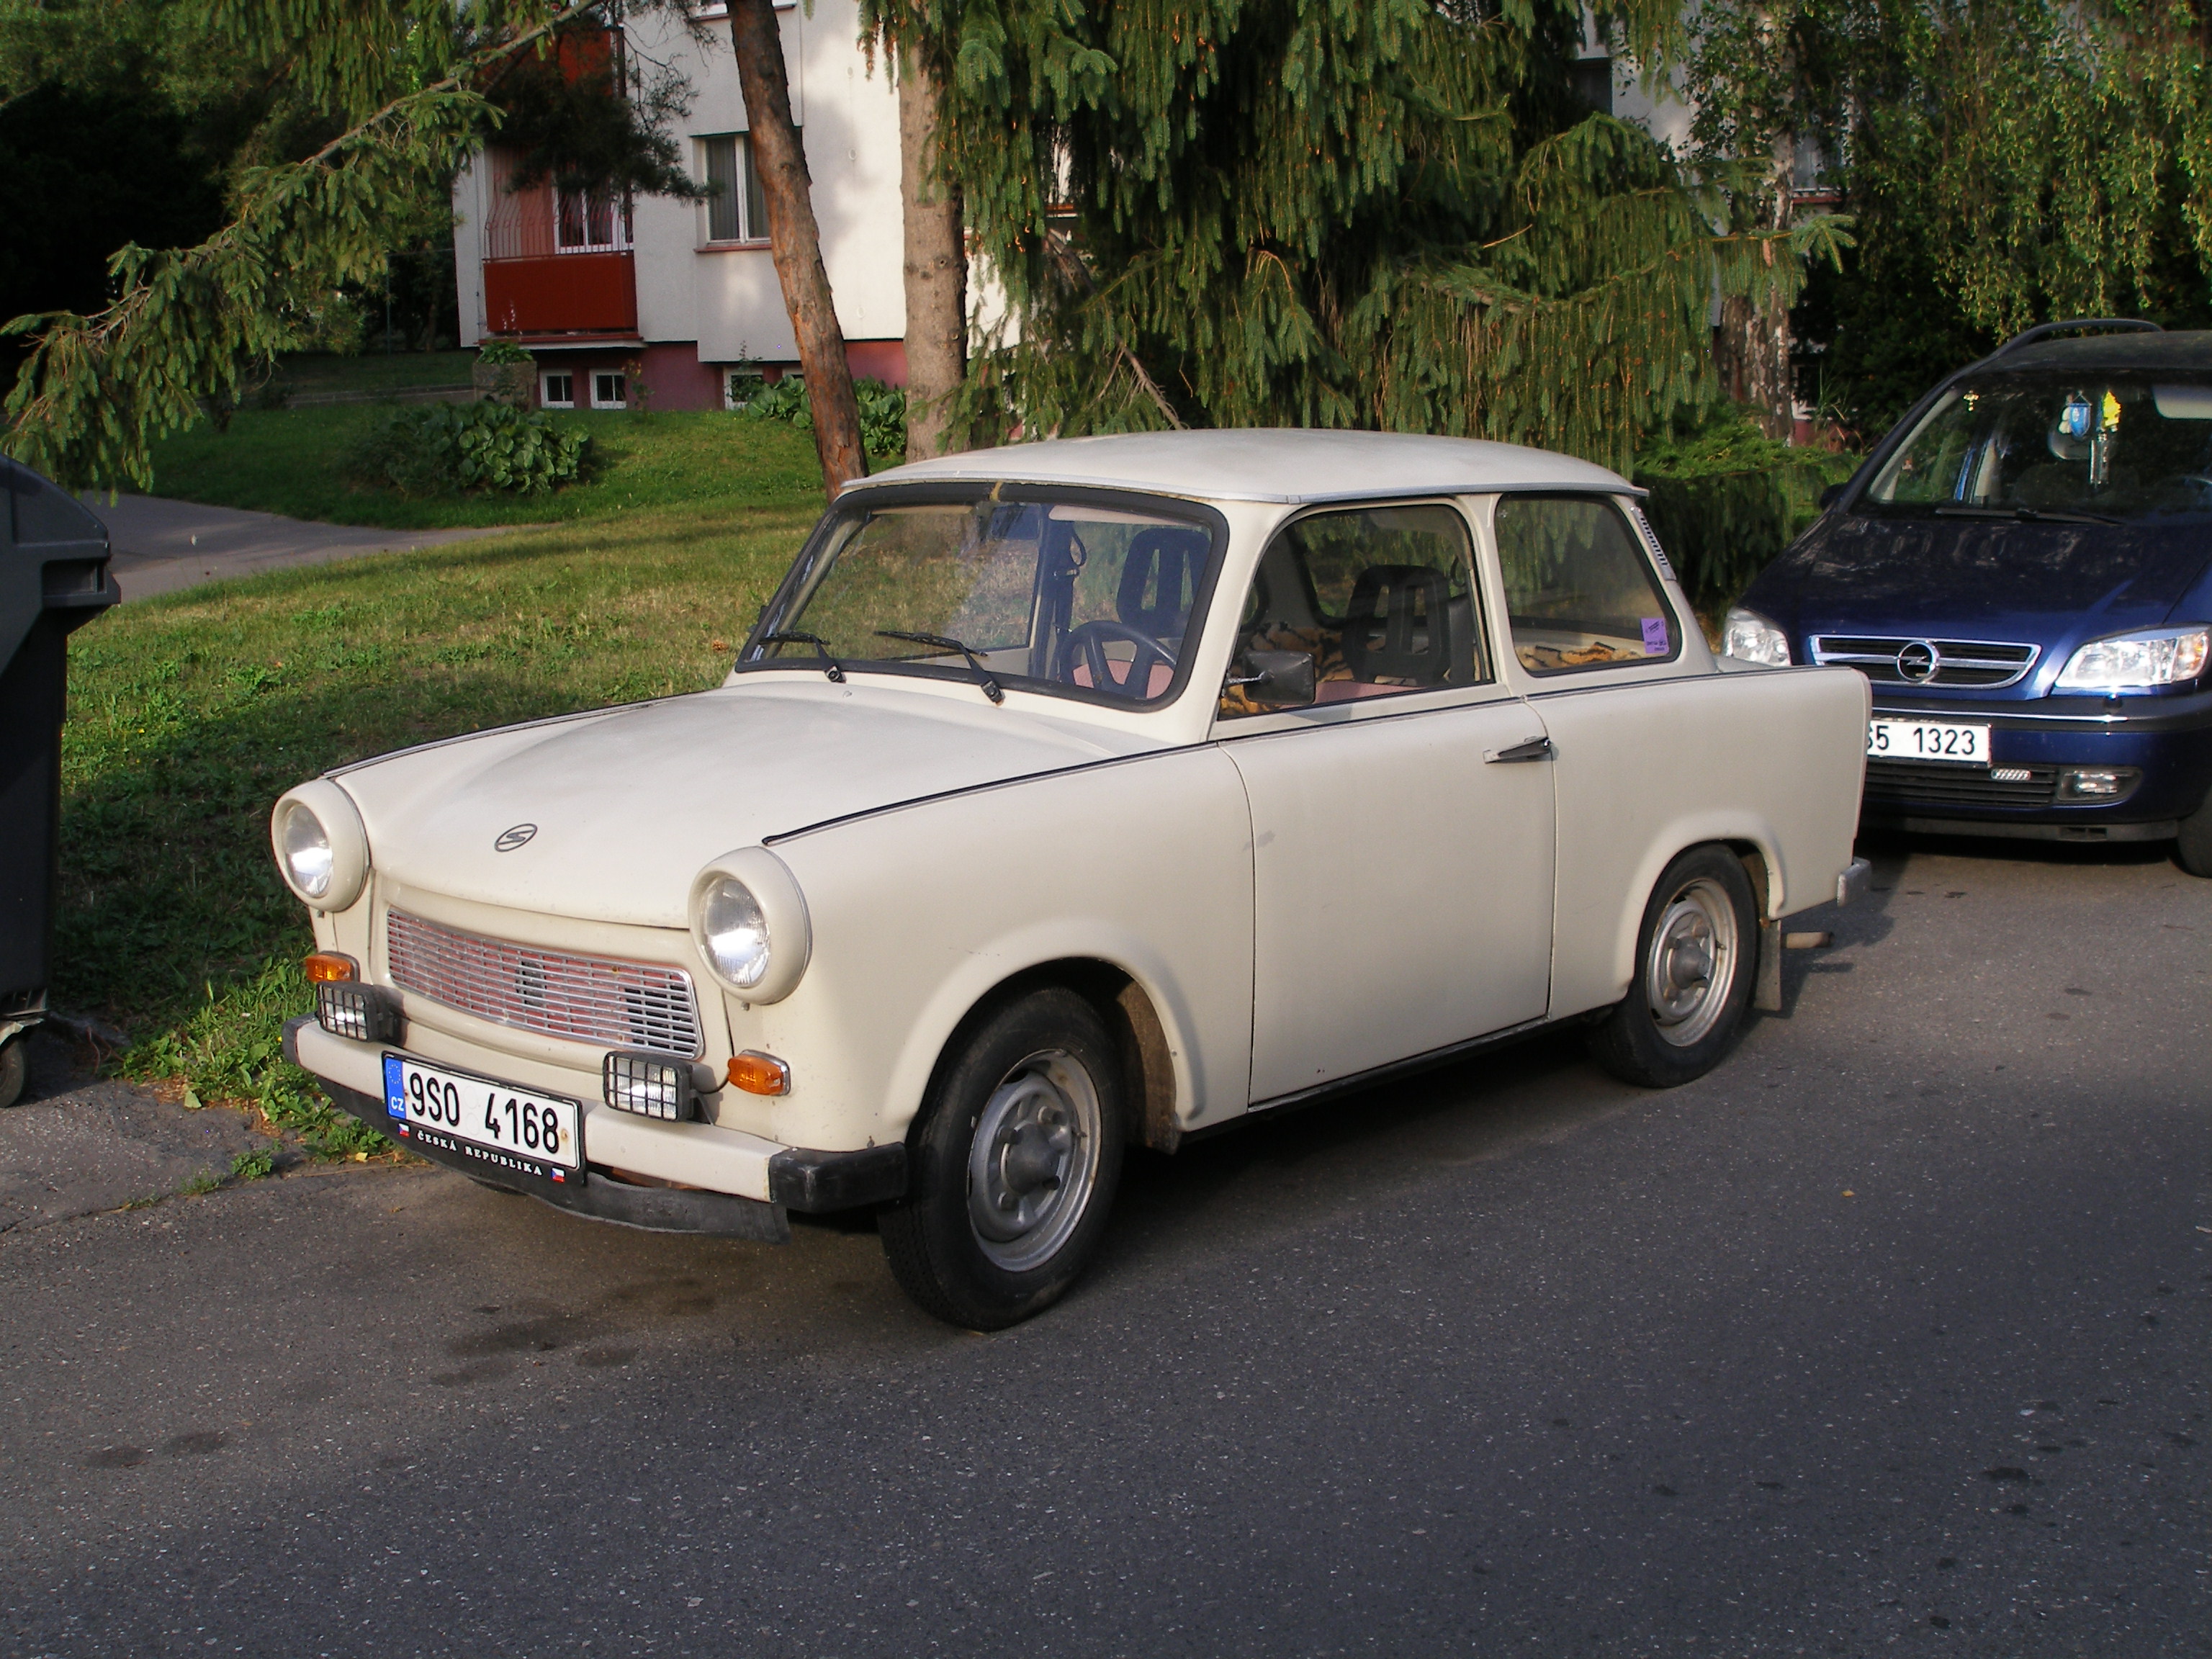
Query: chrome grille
{"x": 629, "y": 1005}
{"x": 1986, "y": 663}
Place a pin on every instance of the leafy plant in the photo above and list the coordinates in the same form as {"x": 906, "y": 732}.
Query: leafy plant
{"x": 496, "y": 353}
{"x": 253, "y": 1166}
{"x": 883, "y": 409}
{"x": 1726, "y": 499}
{"x": 481, "y": 446}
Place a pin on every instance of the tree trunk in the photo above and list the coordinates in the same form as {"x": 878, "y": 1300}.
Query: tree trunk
{"x": 936, "y": 269}
{"x": 795, "y": 241}
{"x": 1752, "y": 349}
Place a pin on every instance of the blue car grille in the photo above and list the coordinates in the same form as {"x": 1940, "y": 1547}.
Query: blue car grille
{"x": 1984, "y": 663}
{"x": 1896, "y": 784}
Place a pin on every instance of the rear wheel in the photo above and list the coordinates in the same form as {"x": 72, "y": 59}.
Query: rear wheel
{"x": 1014, "y": 1162}
{"x": 1696, "y": 957}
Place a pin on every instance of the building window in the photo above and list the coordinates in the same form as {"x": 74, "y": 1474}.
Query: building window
{"x": 594, "y": 223}
{"x": 735, "y": 210}
{"x": 609, "y": 390}
{"x": 557, "y": 390}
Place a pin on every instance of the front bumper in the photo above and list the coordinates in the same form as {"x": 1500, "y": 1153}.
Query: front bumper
{"x": 639, "y": 1172}
{"x": 2167, "y": 742}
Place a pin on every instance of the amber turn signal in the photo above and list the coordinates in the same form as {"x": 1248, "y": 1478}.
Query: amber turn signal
{"x": 329, "y": 968}
{"x": 757, "y": 1074}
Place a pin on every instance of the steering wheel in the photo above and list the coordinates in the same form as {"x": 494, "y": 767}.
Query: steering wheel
{"x": 1086, "y": 645}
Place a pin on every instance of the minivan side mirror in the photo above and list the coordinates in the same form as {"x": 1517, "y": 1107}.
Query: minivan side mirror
{"x": 1278, "y": 679}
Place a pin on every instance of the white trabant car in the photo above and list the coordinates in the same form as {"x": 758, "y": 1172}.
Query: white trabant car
{"x": 1068, "y": 796}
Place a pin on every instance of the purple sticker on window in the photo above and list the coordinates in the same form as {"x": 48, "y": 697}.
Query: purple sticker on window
{"x": 1655, "y": 636}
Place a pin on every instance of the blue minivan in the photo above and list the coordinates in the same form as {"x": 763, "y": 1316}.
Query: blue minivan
{"x": 2022, "y": 570}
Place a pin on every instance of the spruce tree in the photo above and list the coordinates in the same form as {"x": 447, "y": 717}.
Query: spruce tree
{"x": 1391, "y": 214}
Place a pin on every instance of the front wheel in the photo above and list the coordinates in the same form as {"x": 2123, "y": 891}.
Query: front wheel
{"x": 1696, "y": 957}
{"x": 15, "y": 1068}
{"x": 2192, "y": 847}
{"x": 1014, "y": 1165}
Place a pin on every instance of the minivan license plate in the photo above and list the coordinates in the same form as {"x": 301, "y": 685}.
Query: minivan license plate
{"x": 487, "y": 1121}
{"x": 1929, "y": 740}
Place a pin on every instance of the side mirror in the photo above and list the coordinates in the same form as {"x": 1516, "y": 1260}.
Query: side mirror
{"x": 1278, "y": 680}
{"x": 1833, "y": 494}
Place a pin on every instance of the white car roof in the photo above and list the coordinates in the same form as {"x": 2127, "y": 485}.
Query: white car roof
{"x": 1281, "y": 464}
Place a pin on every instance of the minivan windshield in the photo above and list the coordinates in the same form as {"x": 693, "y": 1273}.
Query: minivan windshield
{"x": 2098, "y": 446}
{"x": 1062, "y": 593}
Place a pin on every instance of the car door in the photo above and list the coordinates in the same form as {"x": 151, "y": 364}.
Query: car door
{"x": 1648, "y": 742}
{"x": 1402, "y": 823}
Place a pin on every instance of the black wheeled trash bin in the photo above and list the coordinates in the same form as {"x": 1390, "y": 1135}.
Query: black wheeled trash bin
{"x": 53, "y": 579}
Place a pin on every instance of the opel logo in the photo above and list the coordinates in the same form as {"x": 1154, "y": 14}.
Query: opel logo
{"x": 510, "y": 839}
{"x": 1917, "y": 662}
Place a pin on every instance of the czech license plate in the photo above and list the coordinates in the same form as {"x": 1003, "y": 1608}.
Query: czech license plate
{"x": 490, "y": 1122}
{"x": 1929, "y": 740}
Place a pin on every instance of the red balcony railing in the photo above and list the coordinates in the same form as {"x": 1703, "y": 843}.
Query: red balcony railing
{"x": 562, "y": 294}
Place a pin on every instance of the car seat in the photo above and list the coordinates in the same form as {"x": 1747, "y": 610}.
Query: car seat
{"x": 1411, "y": 640}
{"x": 1159, "y": 579}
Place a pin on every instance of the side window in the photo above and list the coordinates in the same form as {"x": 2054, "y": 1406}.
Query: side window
{"x": 1381, "y": 598}
{"x": 1579, "y": 590}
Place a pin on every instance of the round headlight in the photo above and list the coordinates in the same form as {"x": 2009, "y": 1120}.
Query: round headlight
{"x": 305, "y": 847}
{"x": 734, "y": 932}
{"x": 749, "y": 921}
{"x": 321, "y": 846}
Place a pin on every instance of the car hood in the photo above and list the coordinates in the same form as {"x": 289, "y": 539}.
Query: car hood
{"x": 2051, "y": 584}
{"x": 612, "y": 813}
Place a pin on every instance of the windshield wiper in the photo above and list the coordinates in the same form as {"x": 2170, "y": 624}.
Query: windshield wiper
{"x": 792, "y": 636}
{"x": 983, "y": 677}
{"x": 2027, "y": 514}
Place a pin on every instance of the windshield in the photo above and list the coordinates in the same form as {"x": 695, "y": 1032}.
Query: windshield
{"x": 1057, "y": 592}
{"x": 2101, "y": 445}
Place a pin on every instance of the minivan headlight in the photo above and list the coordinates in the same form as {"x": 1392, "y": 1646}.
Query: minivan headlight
{"x": 321, "y": 845}
{"x": 1749, "y": 637}
{"x": 2151, "y": 656}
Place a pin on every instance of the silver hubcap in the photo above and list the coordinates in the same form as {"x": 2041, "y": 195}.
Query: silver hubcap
{"x": 1692, "y": 963}
{"x": 1034, "y": 1160}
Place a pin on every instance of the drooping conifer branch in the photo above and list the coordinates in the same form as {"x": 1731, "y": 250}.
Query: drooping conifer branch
{"x": 190, "y": 324}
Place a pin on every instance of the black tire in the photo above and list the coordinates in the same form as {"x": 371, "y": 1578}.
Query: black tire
{"x": 1013, "y": 1165}
{"x": 2192, "y": 847}
{"x": 15, "y": 1068}
{"x": 1672, "y": 1026}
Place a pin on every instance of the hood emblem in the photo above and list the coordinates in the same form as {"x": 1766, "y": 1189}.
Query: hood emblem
{"x": 1915, "y": 662}
{"x": 510, "y": 839}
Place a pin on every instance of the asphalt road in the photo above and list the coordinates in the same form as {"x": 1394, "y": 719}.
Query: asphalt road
{"x": 161, "y": 546}
{"x": 1891, "y": 1335}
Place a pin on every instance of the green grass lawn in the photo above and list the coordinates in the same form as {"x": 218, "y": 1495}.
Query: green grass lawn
{"x": 190, "y": 714}
{"x": 293, "y": 461}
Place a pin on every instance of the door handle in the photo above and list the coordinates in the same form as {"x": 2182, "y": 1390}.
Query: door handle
{"x": 1529, "y": 749}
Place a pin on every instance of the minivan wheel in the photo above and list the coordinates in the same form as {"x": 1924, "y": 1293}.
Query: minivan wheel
{"x": 1696, "y": 959}
{"x": 1013, "y": 1165}
{"x": 2192, "y": 847}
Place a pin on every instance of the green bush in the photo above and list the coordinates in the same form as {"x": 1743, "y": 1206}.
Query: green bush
{"x": 883, "y": 409}
{"x": 496, "y": 352}
{"x": 1726, "y": 500}
{"x": 440, "y": 448}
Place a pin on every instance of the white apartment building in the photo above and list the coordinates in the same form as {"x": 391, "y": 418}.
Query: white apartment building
{"x": 654, "y": 302}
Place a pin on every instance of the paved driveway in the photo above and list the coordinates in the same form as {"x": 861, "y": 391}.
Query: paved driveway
{"x": 1891, "y": 1335}
{"x": 162, "y": 545}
